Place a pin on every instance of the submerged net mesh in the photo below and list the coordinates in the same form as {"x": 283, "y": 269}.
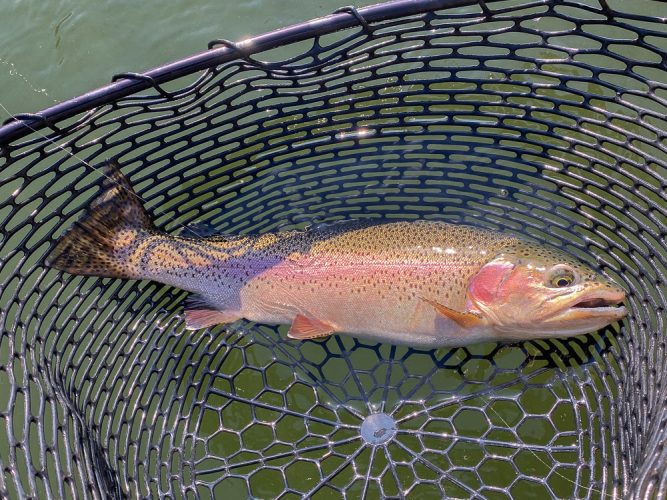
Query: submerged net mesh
{"x": 542, "y": 119}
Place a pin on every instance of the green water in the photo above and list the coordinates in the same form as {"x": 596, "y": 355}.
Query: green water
{"x": 54, "y": 50}
{"x": 51, "y": 51}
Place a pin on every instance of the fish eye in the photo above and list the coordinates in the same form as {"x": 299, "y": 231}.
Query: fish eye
{"x": 561, "y": 277}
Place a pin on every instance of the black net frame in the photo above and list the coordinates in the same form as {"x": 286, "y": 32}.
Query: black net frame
{"x": 540, "y": 118}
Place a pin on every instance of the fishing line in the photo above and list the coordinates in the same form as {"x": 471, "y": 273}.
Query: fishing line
{"x": 73, "y": 155}
{"x": 14, "y": 72}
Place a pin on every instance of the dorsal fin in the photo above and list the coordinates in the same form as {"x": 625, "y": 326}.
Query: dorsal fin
{"x": 199, "y": 230}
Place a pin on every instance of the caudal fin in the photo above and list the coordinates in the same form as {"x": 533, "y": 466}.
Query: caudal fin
{"x": 97, "y": 244}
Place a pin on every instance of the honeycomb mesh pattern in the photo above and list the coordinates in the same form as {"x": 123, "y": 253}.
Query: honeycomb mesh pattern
{"x": 544, "y": 119}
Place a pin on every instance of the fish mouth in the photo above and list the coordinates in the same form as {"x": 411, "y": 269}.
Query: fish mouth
{"x": 607, "y": 303}
{"x": 588, "y": 312}
{"x": 596, "y": 303}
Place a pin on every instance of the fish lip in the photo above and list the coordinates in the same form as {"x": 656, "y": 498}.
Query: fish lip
{"x": 599, "y": 299}
{"x": 599, "y": 303}
{"x": 617, "y": 312}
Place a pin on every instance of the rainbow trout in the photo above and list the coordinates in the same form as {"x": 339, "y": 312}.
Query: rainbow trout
{"x": 425, "y": 284}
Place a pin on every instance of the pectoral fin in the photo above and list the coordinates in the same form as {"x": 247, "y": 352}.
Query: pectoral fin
{"x": 464, "y": 319}
{"x": 304, "y": 328}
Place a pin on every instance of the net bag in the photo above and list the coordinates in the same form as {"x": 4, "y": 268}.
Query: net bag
{"x": 544, "y": 119}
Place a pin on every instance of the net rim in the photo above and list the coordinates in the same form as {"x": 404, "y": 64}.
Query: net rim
{"x": 128, "y": 84}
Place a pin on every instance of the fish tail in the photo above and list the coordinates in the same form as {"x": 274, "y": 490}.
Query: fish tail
{"x": 99, "y": 244}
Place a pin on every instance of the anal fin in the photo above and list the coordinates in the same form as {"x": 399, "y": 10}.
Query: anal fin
{"x": 464, "y": 319}
{"x": 203, "y": 318}
{"x": 201, "y": 314}
{"x": 304, "y": 328}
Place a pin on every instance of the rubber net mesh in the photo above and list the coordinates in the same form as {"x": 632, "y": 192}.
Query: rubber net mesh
{"x": 541, "y": 119}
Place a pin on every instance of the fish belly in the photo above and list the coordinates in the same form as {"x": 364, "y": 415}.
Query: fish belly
{"x": 377, "y": 302}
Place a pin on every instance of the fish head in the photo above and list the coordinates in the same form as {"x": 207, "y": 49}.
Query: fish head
{"x": 529, "y": 291}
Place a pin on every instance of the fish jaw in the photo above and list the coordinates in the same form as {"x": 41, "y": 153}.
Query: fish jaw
{"x": 591, "y": 311}
{"x": 574, "y": 316}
